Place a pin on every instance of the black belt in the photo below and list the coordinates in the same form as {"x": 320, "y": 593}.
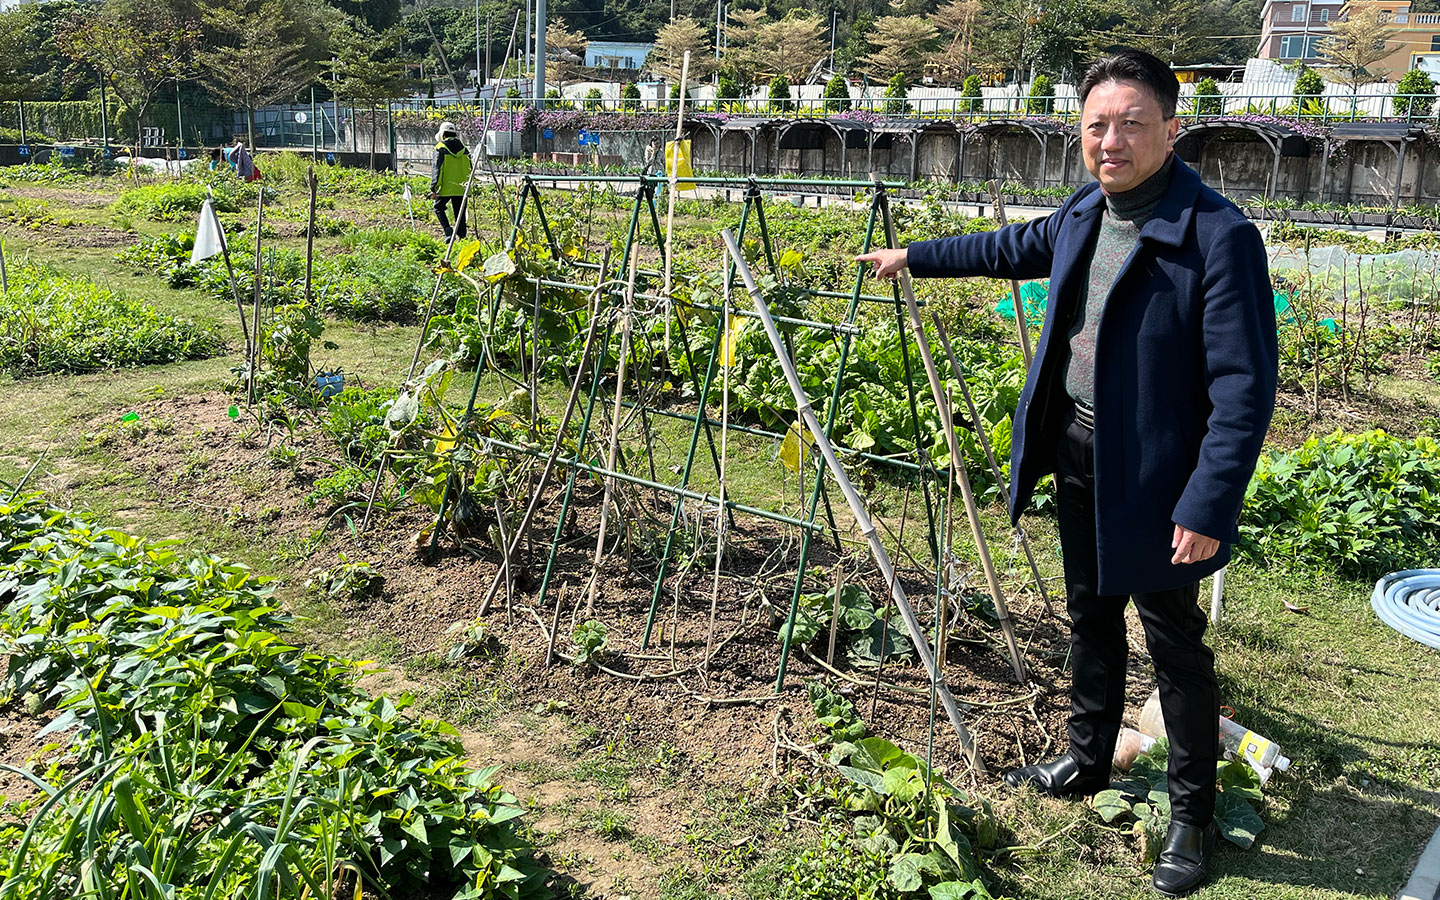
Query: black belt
{"x": 1085, "y": 415}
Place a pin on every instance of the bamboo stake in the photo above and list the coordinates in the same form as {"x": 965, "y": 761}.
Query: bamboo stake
{"x": 1020, "y": 324}
{"x": 505, "y": 560}
{"x": 310, "y": 233}
{"x": 234, "y": 287}
{"x": 597, "y": 299}
{"x": 255, "y": 349}
{"x": 616, "y": 416}
{"x": 504, "y": 204}
{"x": 727, "y": 362}
{"x": 4, "y": 277}
{"x": 857, "y": 507}
{"x": 835, "y": 612}
{"x": 672, "y": 171}
{"x": 419, "y": 346}
{"x": 942, "y": 570}
{"x": 957, "y": 457}
{"x": 984, "y": 439}
{"x": 555, "y": 624}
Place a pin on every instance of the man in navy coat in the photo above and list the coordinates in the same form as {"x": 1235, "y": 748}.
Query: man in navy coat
{"x": 1150, "y": 394}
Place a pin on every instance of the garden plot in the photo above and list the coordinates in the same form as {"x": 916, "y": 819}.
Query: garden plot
{"x": 692, "y": 777}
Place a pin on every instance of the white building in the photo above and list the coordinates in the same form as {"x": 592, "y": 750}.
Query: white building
{"x": 616, "y": 54}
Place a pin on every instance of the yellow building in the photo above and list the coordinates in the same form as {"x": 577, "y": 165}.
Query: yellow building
{"x": 1417, "y": 42}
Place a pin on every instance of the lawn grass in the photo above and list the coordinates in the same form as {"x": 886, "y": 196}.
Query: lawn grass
{"x": 1352, "y": 703}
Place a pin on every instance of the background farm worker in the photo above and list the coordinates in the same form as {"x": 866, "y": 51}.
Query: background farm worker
{"x": 1150, "y": 394}
{"x": 449, "y": 174}
{"x": 242, "y": 162}
{"x": 217, "y": 158}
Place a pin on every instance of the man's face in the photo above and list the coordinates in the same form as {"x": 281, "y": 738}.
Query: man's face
{"x": 1124, "y": 134}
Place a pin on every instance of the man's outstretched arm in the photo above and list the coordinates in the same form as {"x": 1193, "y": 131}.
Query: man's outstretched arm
{"x": 1024, "y": 250}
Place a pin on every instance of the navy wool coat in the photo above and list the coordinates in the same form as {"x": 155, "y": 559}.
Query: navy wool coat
{"x": 1185, "y": 373}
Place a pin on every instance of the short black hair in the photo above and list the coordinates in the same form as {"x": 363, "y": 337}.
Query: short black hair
{"x": 1139, "y": 67}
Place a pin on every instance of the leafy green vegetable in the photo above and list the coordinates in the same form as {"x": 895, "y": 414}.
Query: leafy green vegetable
{"x": 214, "y": 757}
{"x": 1145, "y": 797}
{"x": 50, "y": 322}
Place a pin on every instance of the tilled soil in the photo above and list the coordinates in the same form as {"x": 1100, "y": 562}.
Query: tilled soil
{"x": 727, "y": 705}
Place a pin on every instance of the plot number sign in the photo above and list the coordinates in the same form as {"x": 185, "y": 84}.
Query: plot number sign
{"x": 183, "y": 154}
{"x": 301, "y": 118}
{"x": 548, "y": 134}
{"x": 23, "y": 150}
{"x": 330, "y": 158}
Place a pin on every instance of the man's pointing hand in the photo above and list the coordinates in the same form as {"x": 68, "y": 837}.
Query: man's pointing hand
{"x": 888, "y": 263}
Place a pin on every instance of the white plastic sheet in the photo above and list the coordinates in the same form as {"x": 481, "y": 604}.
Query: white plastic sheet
{"x": 208, "y": 238}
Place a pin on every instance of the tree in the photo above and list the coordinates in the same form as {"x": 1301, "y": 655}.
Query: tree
{"x": 369, "y": 70}
{"x": 837, "y": 94}
{"x": 900, "y": 44}
{"x": 1176, "y": 31}
{"x": 593, "y": 98}
{"x": 137, "y": 46}
{"x": 972, "y": 98}
{"x": 1041, "y": 101}
{"x": 249, "y": 61}
{"x": 742, "y": 32}
{"x": 852, "y": 46}
{"x": 726, "y": 87}
{"x": 1006, "y": 36}
{"x": 780, "y": 94}
{"x": 671, "y": 43}
{"x": 564, "y": 51}
{"x": 1308, "y": 86}
{"x": 1357, "y": 42}
{"x": 956, "y": 21}
{"x": 1208, "y": 101}
{"x": 895, "y": 93}
{"x": 630, "y": 97}
{"x": 17, "y": 40}
{"x": 1420, "y": 88}
{"x": 792, "y": 46}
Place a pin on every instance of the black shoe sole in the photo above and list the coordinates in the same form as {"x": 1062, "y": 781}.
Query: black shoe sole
{"x": 1079, "y": 789}
{"x": 1181, "y": 893}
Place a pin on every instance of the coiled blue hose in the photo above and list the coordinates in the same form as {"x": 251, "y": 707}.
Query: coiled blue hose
{"x": 1409, "y": 602}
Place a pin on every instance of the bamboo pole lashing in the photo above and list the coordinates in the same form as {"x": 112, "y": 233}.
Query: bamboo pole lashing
{"x": 857, "y": 507}
{"x": 957, "y": 458}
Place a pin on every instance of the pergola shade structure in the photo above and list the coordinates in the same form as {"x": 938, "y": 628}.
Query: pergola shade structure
{"x": 1284, "y": 142}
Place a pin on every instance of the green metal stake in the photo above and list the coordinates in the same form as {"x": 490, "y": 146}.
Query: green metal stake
{"x": 459, "y": 439}
{"x": 544, "y": 222}
{"x": 519, "y": 215}
{"x": 704, "y": 392}
{"x": 580, "y": 450}
{"x": 830, "y": 414}
{"x": 764, "y": 232}
{"x": 709, "y": 435}
{"x": 927, "y": 468}
{"x": 927, "y": 471}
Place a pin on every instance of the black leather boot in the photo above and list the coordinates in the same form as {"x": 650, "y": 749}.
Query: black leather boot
{"x": 1184, "y": 862}
{"x": 1059, "y": 778}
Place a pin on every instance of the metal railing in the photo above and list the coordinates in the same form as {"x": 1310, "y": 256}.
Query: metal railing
{"x": 1322, "y": 109}
{"x": 329, "y": 126}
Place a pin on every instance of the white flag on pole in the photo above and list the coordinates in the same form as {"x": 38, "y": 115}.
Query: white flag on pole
{"x": 208, "y": 238}
{"x": 407, "y": 193}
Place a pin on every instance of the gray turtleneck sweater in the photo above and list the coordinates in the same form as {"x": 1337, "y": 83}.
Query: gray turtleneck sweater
{"x": 1125, "y": 214}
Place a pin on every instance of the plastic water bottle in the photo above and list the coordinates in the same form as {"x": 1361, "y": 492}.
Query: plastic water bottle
{"x": 1261, "y": 753}
{"x": 1236, "y": 741}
